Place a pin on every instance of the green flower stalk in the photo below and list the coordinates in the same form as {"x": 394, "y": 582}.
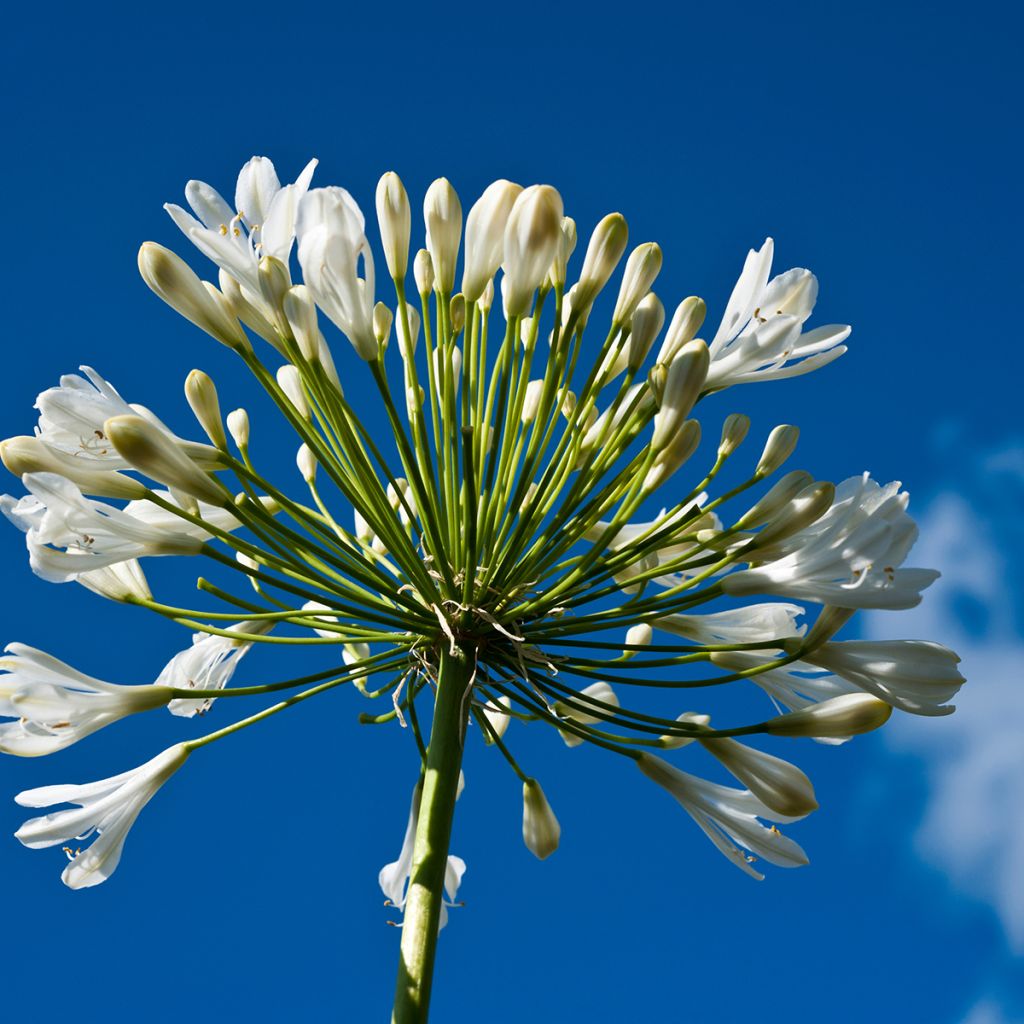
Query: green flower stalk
{"x": 490, "y": 563}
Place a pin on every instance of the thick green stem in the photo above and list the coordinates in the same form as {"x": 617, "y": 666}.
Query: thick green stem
{"x": 433, "y": 834}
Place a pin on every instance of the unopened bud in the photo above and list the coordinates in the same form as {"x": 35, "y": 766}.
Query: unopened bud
{"x": 676, "y": 451}
{"x": 836, "y": 718}
{"x": 605, "y": 249}
{"x": 395, "y": 221}
{"x": 241, "y": 307}
{"x": 353, "y": 653}
{"x": 382, "y": 319}
{"x": 290, "y": 382}
{"x": 300, "y": 311}
{"x": 647, "y": 321}
{"x": 174, "y": 281}
{"x": 541, "y": 830}
{"x": 800, "y": 511}
{"x": 457, "y": 313}
{"x": 23, "y": 455}
{"x": 442, "y": 214}
{"x": 531, "y": 401}
{"x": 779, "y": 446}
{"x": 486, "y": 300}
{"x": 734, "y": 430}
{"x": 783, "y": 491}
{"x": 683, "y": 386}
{"x": 686, "y": 322}
{"x": 274, "y": 282}
{"x": 447, "y": 367}
{"x": 639, "y": 635}
{"x": 407, "y": 344}
{"x": 656, "y": 378}
{"x": 201, "y": 394}
{"x": 150, "y": 450}
{"x": 497, "y": 717}
{"x": 601, "y": 693}
{"x": 306, "y": 461}
{"x": 642, "y": 267}
{"x": 423, "y": 272}
{"x": 556, "y": 275}
{"x": 533, "y": 236}
{"x": 485, "y": 236}
{"x": 238, "y": 428}
{"x": 674, "y": 742}
{"x": 779, "y": 785}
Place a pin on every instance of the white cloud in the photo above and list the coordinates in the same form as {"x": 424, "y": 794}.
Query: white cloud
{"x": 973, "y": 825}
{"x": 988, "y": 1012}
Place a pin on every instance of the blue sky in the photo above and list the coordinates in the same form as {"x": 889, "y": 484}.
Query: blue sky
{"x": 876, "y": 143}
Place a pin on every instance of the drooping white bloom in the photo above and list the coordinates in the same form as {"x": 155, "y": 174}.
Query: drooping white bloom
{"x": 918, "y": 676}
{"x": 208, "y": 664}
{"x": 123, "y": 581}
{"x": 263, "y": 223}
{"x": 760, "y": 335}
{"x": 107, "y": 808}
{"x": 541, "y": 830}
{"x": 779, "y": 785}
{"x": 599, "y": 693}
{"x": 331, "y": 231}
{"x": 849, "y": 557}
{"x": 55, "y": 705}
{"x": 394, "y": 877}
{"x": 728, "y": 817}
{"x": 753, "y": 623}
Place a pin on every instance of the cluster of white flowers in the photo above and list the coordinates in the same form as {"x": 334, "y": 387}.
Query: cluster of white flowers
{"x": 503, "y": 526}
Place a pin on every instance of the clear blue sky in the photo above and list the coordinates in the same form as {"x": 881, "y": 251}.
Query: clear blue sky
{"x": 879, "y": 144}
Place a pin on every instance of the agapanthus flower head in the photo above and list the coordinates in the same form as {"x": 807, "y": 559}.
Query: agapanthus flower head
{"x": 534, "y": 528}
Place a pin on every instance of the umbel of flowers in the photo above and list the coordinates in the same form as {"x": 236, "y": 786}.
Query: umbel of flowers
{"x": 494, "y": 566}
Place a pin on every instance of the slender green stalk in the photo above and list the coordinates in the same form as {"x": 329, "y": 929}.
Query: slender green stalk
{"x": 433, "y": 834}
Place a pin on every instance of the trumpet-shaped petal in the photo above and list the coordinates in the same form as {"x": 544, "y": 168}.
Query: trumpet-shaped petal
{"x": 753, "y": 623}
{"x": 594, "y": 696}
{"x": 106, "y": 809}
{"x": 54, "y": 705}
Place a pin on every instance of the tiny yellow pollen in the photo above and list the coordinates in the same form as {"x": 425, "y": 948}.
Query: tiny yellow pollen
{"x": 223, "y": 229}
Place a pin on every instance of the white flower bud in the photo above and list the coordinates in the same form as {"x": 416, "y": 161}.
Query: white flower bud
{"x": 533, "y": 236}
{"x": 201, "y": 394}
{"x": 683, "y": 386}
{"x": 556, "y": 275}
{"x": 686, "y": 322}
{"x": 497, "y": 717}
{"x": 245, "y": 310}
{"x": 238, "y": 428}
{"x": 306, "y": 461}
{"x": 395, "y": 221}
{"x": 804, "y": 508}
{"x": 457, "y": 313}
{"x": 734, "y": 430}
{"x": 414, "y": 397}
{"x": 486, "y": 300}
{"x": 531, "y": 400}
{"x": 605, "y": 249}
{"x": 784, "y": 490}
{"x": 274, "y": 283}
{"x": 531, "y": 494}
{"x": 485, "y": 236}
{"x": 445, "y": 360}
{"x": 779, "y": 446}
{"x": 363, "y": 530}
{"x": 23, "y": 455}
{"x": 602, "y": 693}
{"x": 174, "y": 281}
{"x": 850, "y": 714}
{"x": 656, "y": 378}
{"x": 676, "y": 451}
{"x": 407, "y": 346}
{"x": 290, "y": 382}
{"x": 639, "y": 635}
{"x": 541, "y": 830}
{"x": 423, "y": 272}
{"x": 687, "y": 718}
{"x": 382, "y": 319}
{"x": 647, "y": 321}
{"x": 153, "y": 452}
{"x": 442, "y": 214}
{"x": 352, "y": 653}
{"x": 779, "y": 785}
{"x": 300, "y": 312}
{"x": 642, "y": 267}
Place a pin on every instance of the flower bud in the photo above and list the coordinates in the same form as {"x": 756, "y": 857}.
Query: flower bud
{"x": 274, "y": 282}
{"x": 683, "y": 386}
{"x": 601, "y": 693}
{"x": 804, "y": 508}
{"x": 364, "y": 531}
{"x": 605, "y": 249}
{"x": 533, "y": 236}
{"x": 497, "y": 717}
{"x": 423, "y": 272}
{"x": 639, "y": 635}
{"x": 306, "y": 461}
{"x": 779, "y": 785}
{"x": 676, "y": 451}
{"x": 442, "y": 214}
{"x": 174, "y": 281}
{"x": 289, "y": 381}
{"x": 382, "y": 319}
{"x": 238, "y": 428}
{"x": 485, "y": 236}
{"x": 642, "y": 267}
{"x": 240, "y": 307}
{"x": 446, "y": 360}
{"x": 300, "y": 311}
{"x": 556, "y": 275}
{"x": 352, "y": 653}
{"x": 671, "y": 742}
{"x": 836, "y": 718}
{"x": 531, "y": 400}
{"x": 486, "y": 300}
{"x": 779, "y": 446}
{"x": 541, "y": 830}
{"x": 23, "y": 455}
{"x": 783, "y": 491}
{"x": 647, "y": 321}
{"x": 201, "y": 394}
{"x": 686, "y": 322}
{"x": 407, "y": 345}
{"x": 395, "y": 221}
{"x": 150, "y": 450}
{"x": 457, "y": 313}
{"x": 734, "y": 430}
{"x": 656, "y": 378}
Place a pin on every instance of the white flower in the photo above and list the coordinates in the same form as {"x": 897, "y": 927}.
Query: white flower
{"x": 123, "y": 581}
{"x": 331, "y": 233}
{"x": 760, "y": 335}
{"x": 753, "y": 623}
{"x": 55, "y": 705}
{"x": 913, "y": 675}
{"x": 394, "y": 877}
{"x": 541, "y": 830}
{"x": 107, "y": 808}
{"x": 263, "y": 223}
{"x": 779, "y": 785}
{"x": 729, "y": 817}
{"x": 208, "y": 664}
{"x": 599, "y": 693}
{"x": 849, "y": 557}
